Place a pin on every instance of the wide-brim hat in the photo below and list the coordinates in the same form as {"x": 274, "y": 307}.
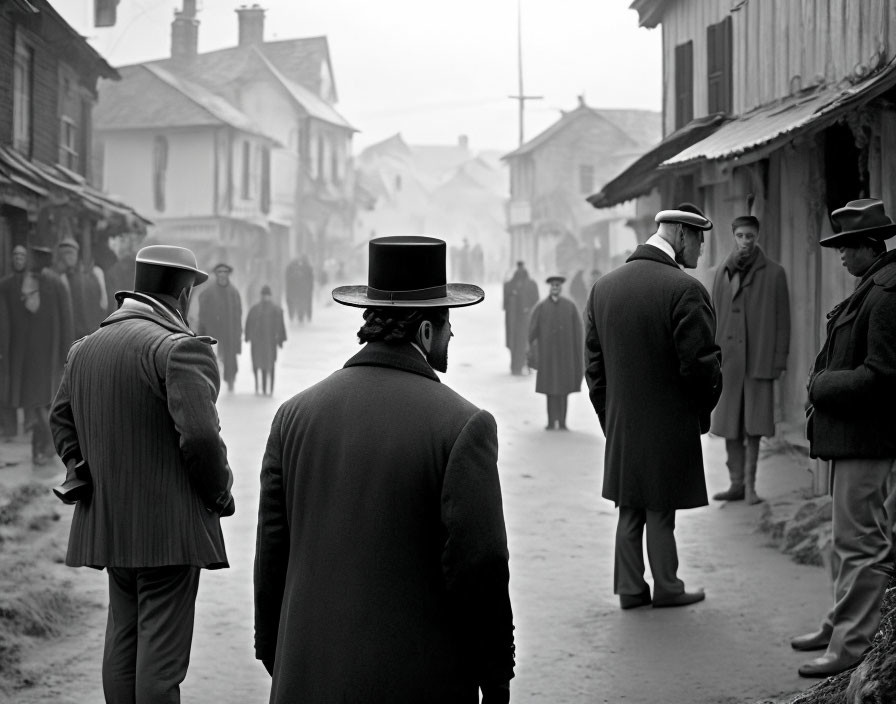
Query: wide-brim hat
{"x": 223, "y": 267}
{"x": 558, "y": 279}
{"x": 686, "y": 214}
{"x": 407, "y": 272}
{"x": 173, "y": 258}
{"x": 858, "y": 220}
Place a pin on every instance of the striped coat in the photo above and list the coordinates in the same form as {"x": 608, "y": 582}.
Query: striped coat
{"x": 137, "y": 402}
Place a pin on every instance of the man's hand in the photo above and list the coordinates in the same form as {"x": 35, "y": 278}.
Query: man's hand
{"x": 498, "y": 693}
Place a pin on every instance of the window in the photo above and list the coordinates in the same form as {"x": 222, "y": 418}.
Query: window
{"x": 321, "y": 158}
{"x": 68, "y": 143}
{"x": 684, "y": 84}
{"x": 586, "y": 179}
{"x": 718, "y": 66}
{"x": 22, "y": 96}
{"x": 265, "y": 180}
{"x": 245, "y": 181}
{"x": 335, "y": 170}
{"x": 159, "y": 170}
{"x": 71, "y": 114}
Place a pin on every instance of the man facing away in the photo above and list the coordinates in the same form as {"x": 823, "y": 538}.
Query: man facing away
{"x": 135, "y": 422}
{"x": 749, "y": 294}
{"x": 265, "y": 332}
{"x": 381, "y": 567}
{"x": 520, "y": 295}
{"x": 851, "y": 422}
{"x": 654, "y": 375}
{"x": 221, "y": 316}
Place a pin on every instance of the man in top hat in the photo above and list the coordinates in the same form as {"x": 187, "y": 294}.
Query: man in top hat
{"x": 135, "y": 422}
{"x": 520, "y": 296}
{"x": 654, "y": 375}
{"x": 555, "y": 329}
{"x": 265, "y": 331}
{"x": 851, "y": 422}
{"x": 221, "y": 317}
{"x": 381, "y": 564}
{"x": 749, "y": 294}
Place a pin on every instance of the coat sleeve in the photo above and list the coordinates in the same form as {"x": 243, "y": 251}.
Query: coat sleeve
{"x": 699, "y": 357}
{"x": 578, "y": 345}
{"x": 191, "y": 381}
{"x": 238, "y": 321}
{"x": 271, "y": 546}
{"x": 62, "y": 420}
{"x": 595, "y": 371}
{"x": 250, "y": 325}
{"x": 873, "y": 382}
{"x": 281, "y": 338}
{"x": 474, "y": 556}
{"x": 534, "y": 323}
{"x": 782, "y": 321}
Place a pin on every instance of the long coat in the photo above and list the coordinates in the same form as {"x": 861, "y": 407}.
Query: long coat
{"x": 520, "y": 296}
{"x": 557, "y": 328}
{"x": 654, "y": 375}
{"x": 38, "y": 342}
{"x": 221, "y": 317}
{"x": 381, "y": 570}
{"x": 137, "y": 402}
{"x": 265, "y": 331}
{"x": 754, "y": 333}
{"x": 853, "y": 381}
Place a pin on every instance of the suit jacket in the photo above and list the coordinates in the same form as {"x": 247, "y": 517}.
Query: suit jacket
{"x": 853, "y": 380}
{"x": 137, "y": 402}
{"x": 381, "y": 568}
{"x": 654, "y": 375}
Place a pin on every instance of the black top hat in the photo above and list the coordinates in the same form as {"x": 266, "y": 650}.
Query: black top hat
{"x": 407, "y": 272}
{"x": 558, "y": 279}
{"x": 858, "y": 220}
{"x": 686, "y": 214}
{"x": 223, "y": 267}
{"x": 178, "y": 258}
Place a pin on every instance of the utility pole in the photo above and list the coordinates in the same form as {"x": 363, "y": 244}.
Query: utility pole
{"x": 521, "y": 96}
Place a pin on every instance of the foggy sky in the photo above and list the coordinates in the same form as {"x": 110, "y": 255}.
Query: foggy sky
{"x": 430, "y": 70}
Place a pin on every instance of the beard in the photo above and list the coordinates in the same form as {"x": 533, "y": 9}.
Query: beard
{"x": 438, "y": 358}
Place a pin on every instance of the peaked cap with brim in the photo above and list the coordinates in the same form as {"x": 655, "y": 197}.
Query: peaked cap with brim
{"x": 858, "y": 220}
{"x": 407, "y": 272}
{"x": 685, "y": 214}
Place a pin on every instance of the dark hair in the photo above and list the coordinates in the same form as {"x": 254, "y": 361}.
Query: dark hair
{"x": 396, "y": 325}
{"x": 877, "y": 246}
{"x": 748, "y": 220}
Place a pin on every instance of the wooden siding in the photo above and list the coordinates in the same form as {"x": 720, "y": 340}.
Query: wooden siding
{"x": 779, "y": 46}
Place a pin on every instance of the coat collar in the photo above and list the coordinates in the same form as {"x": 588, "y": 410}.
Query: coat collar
{"x": 401, "y": 356}
{"x": 654, "y": 254}
{"x": 136, "y": 305}
{"x": 881, "y": 273}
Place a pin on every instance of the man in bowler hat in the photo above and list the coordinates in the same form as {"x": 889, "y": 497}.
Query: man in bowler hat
{"x": 135, "y": 423}
{"x": 850, "y": 422}
{"x": 381, "y": 566}
{"x": 221, "y": 317}
{"x": 654, "y": 375}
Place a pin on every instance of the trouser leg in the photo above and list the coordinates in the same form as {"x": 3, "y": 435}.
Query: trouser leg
{"x": 255, "y": 375}
{"x": 41, "y": 435}
{"x": 736, "y": 459}
{"x": 264, "y": 381}
{"x": 271, "y": 388}
{"x": 862, "y": 540}
{"x": 662, "y": 553}
{"x": 561, "y": 411}
{"x": 552, "y": 410}
{"x": 628, "y": 568}
{"x": 120, "y": 651}
{"x": 751, "y": 458}
{"x": 166, "y": 604}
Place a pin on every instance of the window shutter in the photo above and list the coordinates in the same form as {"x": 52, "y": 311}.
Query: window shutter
{"x": 684, "y": 84}
{"x": 718, "y": 66}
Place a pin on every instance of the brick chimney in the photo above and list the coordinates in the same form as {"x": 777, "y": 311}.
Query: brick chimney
{"x": 251, "y": 24}
{"x": 185, "y": 32}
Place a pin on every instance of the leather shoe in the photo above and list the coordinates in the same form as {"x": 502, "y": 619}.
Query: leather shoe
{"x": 732, "y": 493}
{"x": 683, "y": 599}
{"x": 828, "y": 665}
{"x": 633, "y": 601}
{"x": 817, "y": 640}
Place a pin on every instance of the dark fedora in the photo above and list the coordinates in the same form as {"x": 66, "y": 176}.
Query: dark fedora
{"x": 858, "y": 220}
{"x": 407, "y": 272}
{"x": 170, "y": 257}
{"x": 223, "y": 267}
{"x": 558, "y": 279}
{"x": 686, "y": 214}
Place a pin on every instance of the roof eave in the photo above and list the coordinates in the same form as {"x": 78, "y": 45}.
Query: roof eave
{"x": 650, "y": 12}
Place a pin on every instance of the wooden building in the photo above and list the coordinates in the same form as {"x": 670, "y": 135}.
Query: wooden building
{"x": 779, "y": 108}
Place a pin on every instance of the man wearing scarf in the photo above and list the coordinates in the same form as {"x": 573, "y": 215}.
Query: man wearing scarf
{"x": 752, "y": 306}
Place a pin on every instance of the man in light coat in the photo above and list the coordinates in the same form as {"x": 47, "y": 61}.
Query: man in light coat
{"x": 381, "y": 567}
{"x": 135, "y": 422}
{"x": 851, "y": 421}
{"x": 654, "y": 375}
{"x": 749, "y": 293}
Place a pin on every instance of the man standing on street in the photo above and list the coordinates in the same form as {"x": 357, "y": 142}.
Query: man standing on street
{"x": 135, "y": 422}
{"x": 265, "y": 331}
{"x": 851, "y": 422}
{"x": 555, "y": 328}
{"x": 654, "y": 375}
{"x": 749, "y": 294}
{"x": 86, "y": 286}
{"x": 221, "y": 317}
{"x": 9, "y": 415}
{"x": 520, "y": 295}
{"x": 381, "y": 567}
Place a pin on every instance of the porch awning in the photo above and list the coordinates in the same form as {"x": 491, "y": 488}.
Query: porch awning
{"x": 639, "y": 178}
{"x": 764, "y": 130}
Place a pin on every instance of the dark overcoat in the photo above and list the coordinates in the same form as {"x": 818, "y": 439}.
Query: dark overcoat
{"x": 38, "y": 342}
{"x": 137, "y": 402}
{"x": 520, "y": 296}
{"x": 853, "y": 381}
{"x": 557, "y": 328}
{"x": 265, "y": 331}
{"x": 221, "y": 316}
{"x": 381, "y": 568}
{"x": 654, "y": 375}
{"x": 753, "y": 331}
{"x": 86, "y": 294}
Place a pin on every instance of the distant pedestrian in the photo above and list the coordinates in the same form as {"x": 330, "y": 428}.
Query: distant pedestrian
{"x": 654, "y": 375}
{"x": 305, "y": 289}
{"x": 265, "y": 332}
{"x": 749, "y": 293}
{"x": 86, "y": 286}
{"x": 221, "y": 316}
{"x": 520, "y": 297}
{"x": 120, "y": 276}
{"x": 850, "y": 423}
{"x": 134, "y": 420}
{"x": 9, "y": 415}
{"x": 578, "y": 290}
{"x": 556, "y": 329}
{"x": 39, "y": 313}
{"x": 291, "y": 278}
{"x": 381, "y": 567}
